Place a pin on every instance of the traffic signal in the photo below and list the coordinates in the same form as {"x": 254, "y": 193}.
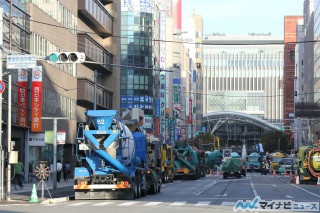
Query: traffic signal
{"x": 67, "y": 57}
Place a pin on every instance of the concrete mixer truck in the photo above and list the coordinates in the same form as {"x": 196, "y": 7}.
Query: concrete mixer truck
{"x": 115, "y": 162}
{"x": 186, "y": 161}
{"x": 213, "y": 160}
{"x": 309, "y": 163}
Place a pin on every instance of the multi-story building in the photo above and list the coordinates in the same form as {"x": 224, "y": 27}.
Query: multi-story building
{"x": 60, "y": 91}
{"x": 243, "y": 73}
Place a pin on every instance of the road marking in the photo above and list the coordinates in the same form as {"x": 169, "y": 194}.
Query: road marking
{"x": 224, "y": 195}
{"x": 253, "y": 189}
{"x": 306, "y": 191}
{"x": 226, "y": 203}
{"x": 79, "y": 204}
{"x": 203, "y": 203}
{"x": 178, "y": 203}
{"x": 288, "y": 196}
{"x": 127, "y": 203}
{"x": 103, "y": 204}
{"x": 205, "y": 187}
{"x": 152, "y": 203}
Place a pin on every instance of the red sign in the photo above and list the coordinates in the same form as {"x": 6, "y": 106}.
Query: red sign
{"x": 22, "y": 97}
{"x": 36, "y": 100}
{"x": 2, "y": 87}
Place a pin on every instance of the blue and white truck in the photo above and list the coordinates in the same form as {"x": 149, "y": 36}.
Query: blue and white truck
{"x": 115, "y": 162}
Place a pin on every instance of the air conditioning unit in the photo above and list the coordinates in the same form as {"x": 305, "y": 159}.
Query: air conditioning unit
{"x": 176, "y": 65}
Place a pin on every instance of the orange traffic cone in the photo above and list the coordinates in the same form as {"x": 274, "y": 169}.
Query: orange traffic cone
{"x": 297, "y": 180}
{"x": 318, "y": 182}
{"x": 210, "y": 171}
{"x": 274, "y": 173}
{"x": 285, "y": 173}
{"x": 292, "y": 178}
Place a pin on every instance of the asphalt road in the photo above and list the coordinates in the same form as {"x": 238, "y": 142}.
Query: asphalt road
{"x": 203, "y": 195}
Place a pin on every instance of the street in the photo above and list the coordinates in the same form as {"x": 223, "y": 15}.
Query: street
{"x": 203, "y": 195}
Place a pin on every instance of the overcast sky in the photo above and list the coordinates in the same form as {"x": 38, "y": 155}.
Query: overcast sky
{"x": 243, "y": 16}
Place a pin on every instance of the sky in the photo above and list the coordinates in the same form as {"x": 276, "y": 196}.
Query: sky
{"x": 243, "y": 16}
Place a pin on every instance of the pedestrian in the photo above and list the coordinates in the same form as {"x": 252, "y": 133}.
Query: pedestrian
{"x": 19, "y": 172}
{"x": 66, "y": 171}
{"x": 251, "y": 167}
{"x": 59, "y": 168}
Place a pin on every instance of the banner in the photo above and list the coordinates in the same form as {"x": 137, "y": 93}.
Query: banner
{"x": 36, "y": 100}
{"x": 22, "y": 97}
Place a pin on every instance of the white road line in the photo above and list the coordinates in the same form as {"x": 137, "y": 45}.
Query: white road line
{"x": 226, "y": 203}
{"x": 306, "y": 191}
{"x": 203, "y": 203}
{"x": 288, "y": 196}
{"x": 253, "y": 189}
{"x": 152, "y": 203}
{"x": 103, "y": 204}
{"x": 127, "y": 203}
{"x": 178, "y": 203}
{"x": 78, "y": 204}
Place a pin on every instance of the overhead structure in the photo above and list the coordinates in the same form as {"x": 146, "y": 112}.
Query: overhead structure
{"x": 216, "y": 119}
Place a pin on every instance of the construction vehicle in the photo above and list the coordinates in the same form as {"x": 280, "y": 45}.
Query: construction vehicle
{"x": 276, "y": 158}
{"x": 255, "y": 159}
{"x": 166, "y": 164}
{"x": 213, "y": 160}
{"x": 186, "y": 161}
{"x": 309, "y": 163}
{"x": 232, "y": 167}
{"x": 115, "y": 162}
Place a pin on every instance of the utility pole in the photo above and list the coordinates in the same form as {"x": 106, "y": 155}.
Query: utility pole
{"x": 55, "y": 122}
{"x": 2, "y": 152}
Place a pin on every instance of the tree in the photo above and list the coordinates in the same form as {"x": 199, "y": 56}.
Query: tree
{"x": 271, "y": 139}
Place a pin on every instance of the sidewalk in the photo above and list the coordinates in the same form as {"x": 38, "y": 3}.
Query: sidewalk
{"x": 64, "y": 191}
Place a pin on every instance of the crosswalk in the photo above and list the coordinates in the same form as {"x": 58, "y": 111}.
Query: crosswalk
{"x": 141, "y": 203}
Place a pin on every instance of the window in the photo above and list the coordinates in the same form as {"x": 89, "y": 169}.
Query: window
{"x": 292, "y": 55}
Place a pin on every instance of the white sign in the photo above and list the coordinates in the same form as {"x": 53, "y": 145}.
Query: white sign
{"x": 21, "y": 61}
{"x": 36, "y": 139}
{"x": 61, "y": 137}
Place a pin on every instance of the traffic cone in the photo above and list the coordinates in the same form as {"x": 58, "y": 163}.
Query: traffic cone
{"x": 297, "y": 180}
{"x": 318, "y": 182}
{"x": 34, "y": 196}
{"x": 210, "y": 171}
{"x": 285, "y": 173}
{"x": 274, "y": 173}
{"x": 292, "y": 178}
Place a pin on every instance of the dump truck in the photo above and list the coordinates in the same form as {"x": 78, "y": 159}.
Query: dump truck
{"x": 186, "y": 161}
{"x": 308, "y": 163}
{"x": 276, "y": 158}
{"x": 232, "y": 167}
{"x": 115, "y": 162}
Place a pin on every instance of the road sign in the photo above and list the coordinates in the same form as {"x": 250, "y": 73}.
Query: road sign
{"x": 2, "y": 87}
{"x": 183, "y": 130}
{"x": 21, "y": 61}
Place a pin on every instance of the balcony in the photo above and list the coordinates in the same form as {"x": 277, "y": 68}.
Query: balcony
{"x": 96, "y": 53}
{"x": 85, "y": 94}
{"x": 95, "y": 15}
{"x": 105, "y": 2}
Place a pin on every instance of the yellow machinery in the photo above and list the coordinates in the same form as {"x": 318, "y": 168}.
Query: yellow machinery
{"x": 216, "y": 143}
{"x": 167, "y": 170}
{"x": 275, "y": 160}
{"x": 309, "y": 163}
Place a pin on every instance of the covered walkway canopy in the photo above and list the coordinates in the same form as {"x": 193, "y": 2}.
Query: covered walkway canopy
{"x": 235, "y": 128}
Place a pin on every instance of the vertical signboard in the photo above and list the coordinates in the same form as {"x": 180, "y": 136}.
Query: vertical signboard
{"x": 22, "y": 97}
{"x": 162, "y": 56}
{"x": 36, "y": 100}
